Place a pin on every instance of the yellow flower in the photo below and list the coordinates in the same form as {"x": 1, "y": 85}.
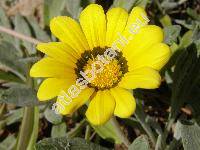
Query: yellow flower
{"x": 142, "y": 54}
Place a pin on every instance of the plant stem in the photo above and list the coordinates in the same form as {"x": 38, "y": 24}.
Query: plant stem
{"x": 34, "y": 134}
{"x": 169, "y": 125}
{"x": 119, "y": 132}
{"x": 87, "y": 133}
{"x": 28, "y": 133}
{"x": 140, "y": 116}
{"x": 26, "y": 129}
{"x": 161, "y": 144}
{"x": 77, "y": 129}
{"x": 2, "y": 107}
{"x": 19, "y": 35}
{"x": 159, "y": 7}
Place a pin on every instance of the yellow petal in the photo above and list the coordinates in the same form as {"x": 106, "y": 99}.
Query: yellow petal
{"x": 116, "y": 22}
{"x": 51, "y": 87}
{"x": 93, "y": 23}
{"x": 146, "y": 78}
{"x": 69, "y": 31}
{"x": 136, "y": 20}
{"x": 155, "y": 57}
{"x": 125, "y": 102}
{"x": 137, "y": 13}
{"x": 142, "y": 41}
{"x": 101, "y": 108}
{"x": 60, "y": 52}
{"x": 49, "y": 67}
{"x": 72, "y": 104}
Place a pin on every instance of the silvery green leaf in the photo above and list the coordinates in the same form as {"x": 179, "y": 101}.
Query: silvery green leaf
{"x": 189, "y": 133}
{"x": 177, "y": 131}
{"x": 107, "y": 131}
{"x": 52, "y": 117}
{"x": 9, "y": 58}
{"x": 9, "y": 77}
{"x": 126, "y": 4}
{"x": 8, "y": 143}
{"x": 4, "y": 21}
{"x": 73, "y": 8}
{"x": 21, "y": 26}
{"x": 140, "y": 143}
{"x": 59, "y": 130}
{"x": 168, "y": 78}
{"x": 38, "y": 31}
{"x": 20, "y": 95}
{"x": 129, "y": 4}
{"x": 169, "y": 5}
{"x": 32, "y": 60}
{"x": 67, "y": 144}
{"x": 185, "y": 24}
{"x": 53, "y": 8}
{"x": 171, "y": 33}
{"x": 14, "y": 116}
{"x": 193, "y": 14}
{"x": 141, "y": 3}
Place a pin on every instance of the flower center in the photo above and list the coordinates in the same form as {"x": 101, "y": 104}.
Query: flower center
{"x": 101, "y": 67}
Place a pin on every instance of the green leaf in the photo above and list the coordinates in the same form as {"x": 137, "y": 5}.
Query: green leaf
{"x": 59, "y": 130}
{"x": 166, "y": 21}
{"x": 20, "y": 95}
{"x": 189, "y": 133}
{"x": 10, "y": 59}
{"x": 87, "y": 2}
{"x": 193, "y": 13}
{"x": 140, "y": 143}
{"x": 8, "y": 143}
{"x": 196, "y": 38}
{"x": 171, "y": 33}
{"x": 52, "y": 117}
{"x": 107, "y": 131}
{"x": 22, "y": 26}
{"x": 67, "y": 144}
{"x": 186, "y": 79}
{"x": 186, "y": 40}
